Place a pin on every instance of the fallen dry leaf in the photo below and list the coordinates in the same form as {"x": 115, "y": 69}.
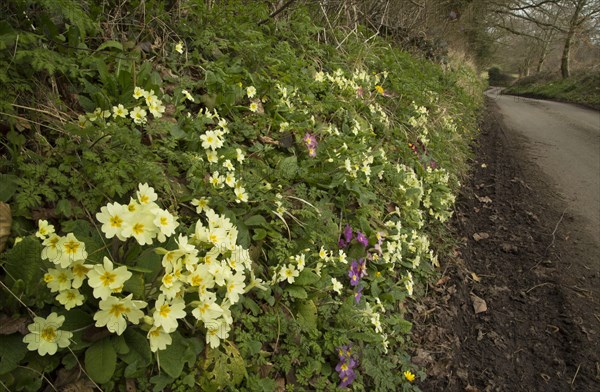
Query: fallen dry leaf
{"x": 479, "y": 304}
{"x": 9, "y": 326}
{"x": 484, "y": 199}
{"x": 475, "y": 277}
{"x": 509, "y": 248}
{"x": 5, "y": 224}
{"x": 480, "y": 236}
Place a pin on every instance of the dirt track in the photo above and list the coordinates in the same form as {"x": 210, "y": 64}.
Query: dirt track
{"x": 533, "y": 261}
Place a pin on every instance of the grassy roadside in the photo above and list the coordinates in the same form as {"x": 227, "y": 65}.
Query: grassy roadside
{"x": 582, "y": 89}
{"x": 270, "y": 197}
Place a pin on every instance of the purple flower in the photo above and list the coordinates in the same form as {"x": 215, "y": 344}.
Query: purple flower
{"x": 358, "y": 295}
{"x": 347, "y": 380}
{"x": 362, "y": 268}
{"x": 345, "y": 367}
{"x": 310, "y": 140}
{"x": 311, "y": 144}
{"x": 348, "y": 233}
{"x": 362, "y": 239}
{"x": 344, "y": 352}
{"x": 354, "y": 278}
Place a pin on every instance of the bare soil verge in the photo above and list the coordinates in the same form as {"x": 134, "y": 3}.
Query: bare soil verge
{"x": 517, "y": 307}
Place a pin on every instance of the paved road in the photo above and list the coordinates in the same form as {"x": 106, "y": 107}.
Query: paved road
{"x": 565, "y": 142}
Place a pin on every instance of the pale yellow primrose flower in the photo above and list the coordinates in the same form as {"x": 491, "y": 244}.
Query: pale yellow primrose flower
{"x": 187, "y": 95}
{"x": 69, "y": 250}
{"x": 179, "y": 47}
{"x": 120, "y": 111}
{"x": 51, "y": 251}
{"x": 337, "y": 286}
{"x": 159, "y": 339}
{"x": 45, "y": 336}
{"x": 138, "y": 115}
{"x": 113, "y": 312}
{"x": 201, "y": 204}
{"x": 58, "y": 279}
{"x": 70, "y": 298}
{"x": 139, "y": 92}
{"x": 105, "y": 280}
{"x": 289, "y": 273}
{"x": 165, "y": 222}
{"x": 166, "y": 313}
{"x": 44, "y": 229}
{"x": 251, "y": 91}
{"x": 112, "y": 216}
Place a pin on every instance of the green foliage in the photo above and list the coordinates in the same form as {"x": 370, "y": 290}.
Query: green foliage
{"x": 101, "y": 361}
{"x": 68, "y": 154}
{"x": 579, "y": 88}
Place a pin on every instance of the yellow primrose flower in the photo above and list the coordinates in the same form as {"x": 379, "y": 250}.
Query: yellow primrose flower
{"x": 112, "y": 216}
{"x": 104, "y": 279}
{"x": 179, "y": 47}
{"x": 70, "y": 298}
{"x": 120, "y": 111}
{"x": 159, "y": 339}
{"x": 166, "y": 313}
{"x": 113, "y": 312}
{"x": 44, "y": 229}
{"x": 58, "y": 279}
{"x": 240, "y": 194}
{"x": 253, "y": 107}
{"x": 69, "y": 250}
{"x": 235, "y": 287}
{"x": 187, "y": 95}
{"x": 139, "y": 92}
{"x": 251, "y": 91}
{"x": 337, "y": 285}
{"x": 289, "y": 273}
{"x": 201, "y": 204}
{"x": 138, "y": 115}
{"x": 44, "y": 335}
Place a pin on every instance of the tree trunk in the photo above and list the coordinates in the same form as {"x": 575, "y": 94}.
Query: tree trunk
{"x": 564, "y": 64}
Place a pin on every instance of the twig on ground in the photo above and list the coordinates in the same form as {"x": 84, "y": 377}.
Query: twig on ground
{"x": 554, "y": 232}
{"x": 538, "y": 285}
{"x": 575, "y": 376}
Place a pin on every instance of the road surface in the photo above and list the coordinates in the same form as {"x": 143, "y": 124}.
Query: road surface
{"x": 564, "y": 141}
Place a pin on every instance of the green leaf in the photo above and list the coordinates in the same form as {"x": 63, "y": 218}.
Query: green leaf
{"x": 76, "y": 319}
{"x": 289, "y": 167}
{"x": 160, "y": 382}
{"x": 259, "y": 234}
{"x": 139, "y": 348}
{"x": 101, "y": 361}
{"x": 307, "y": 315}
{"x": 110, "y": 44}
{"x": 306, "y": 277}
{"x": 151, "y": 261}
{"x": 172, "y": 359}
{"x": 12, "y": 351}
{"x": 23, "y": 262}
{"x": 256, "y": 220}
{"x": 296, "y": 292}
{"x": 176, "y": 131}
{"x": 8, "y": 186}
{"x": 120, "y": 344}
{"x": 135, "y": 285}
{"x": 63, "y": 207}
